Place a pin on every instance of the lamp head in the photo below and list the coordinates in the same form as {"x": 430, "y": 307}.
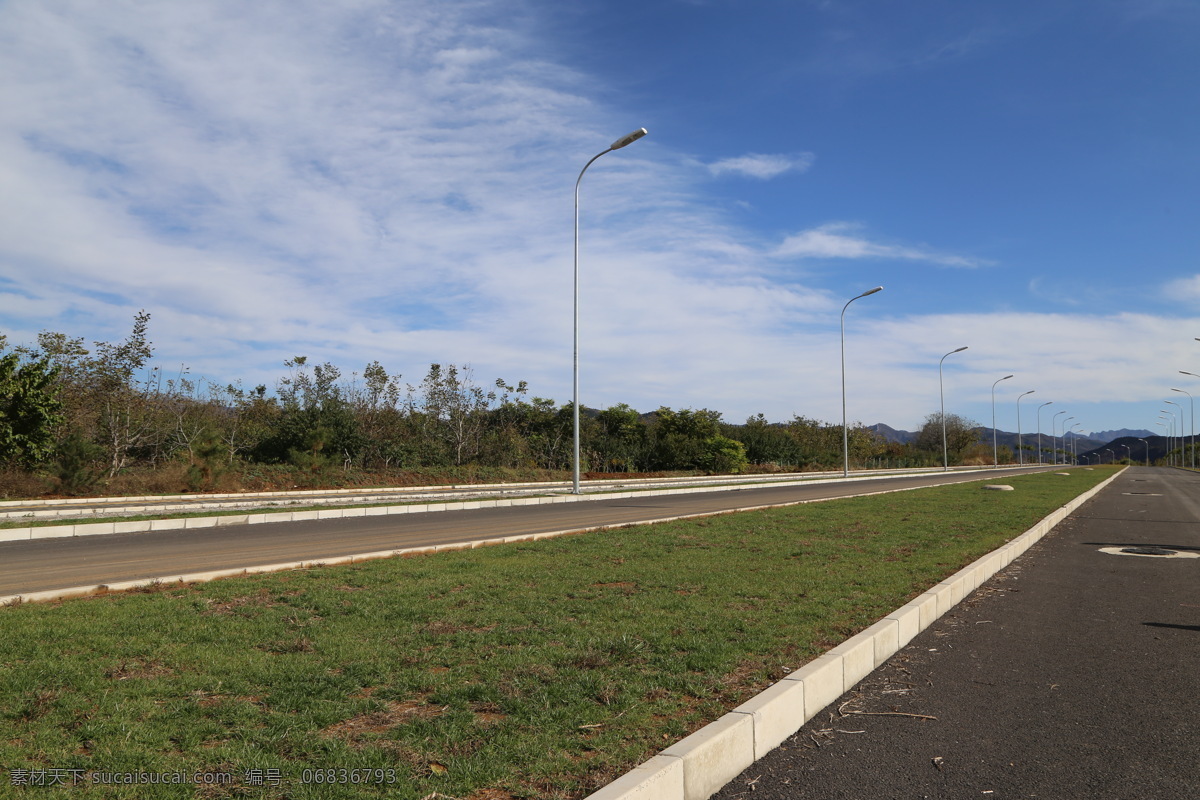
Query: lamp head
{"x": 628, "y": 139}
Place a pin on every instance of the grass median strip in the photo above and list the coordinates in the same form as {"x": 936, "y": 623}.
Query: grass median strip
{"x": 541, "y": 669}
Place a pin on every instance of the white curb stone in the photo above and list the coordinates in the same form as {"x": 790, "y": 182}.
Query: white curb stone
{"x": 776, "y": 712}
{"x": 823, "y": 682}
{"x": 715, "y": 754}
{"x": 659, "y": 778}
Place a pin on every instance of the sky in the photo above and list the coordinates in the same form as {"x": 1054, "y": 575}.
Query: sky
{"x": 393, "y": 181}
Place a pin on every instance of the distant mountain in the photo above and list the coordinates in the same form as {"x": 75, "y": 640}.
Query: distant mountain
{"x": 1136, "y": 448}
{"x": 1109, "y": 436}
{"x": 1005, "y": 439}
{"x": 890, "y": 434}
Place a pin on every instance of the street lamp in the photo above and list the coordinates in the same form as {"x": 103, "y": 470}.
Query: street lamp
{"x": 1064, "y": 439}
{"x": 1021, "y": 447}
{"x": 845, "y": 434}
{"x": 1114, "y": 455}
{"x": 617, "y": 145}
{"x": 1143, "y": 441}
{"x": 1180, "y": 428}
{"x": 942, "y": 395}
{"x": 1194, "y": 375}
{"x": 1192, "y": 417}
{"x": 995, "y": 450}
{"x": 1128, "y": 452}
{"x": 1170, "y": 426}
{"x": 1054, "y": 437}
{"x": 1039, "y": 419}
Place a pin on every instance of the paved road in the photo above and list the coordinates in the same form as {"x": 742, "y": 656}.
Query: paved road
{"x": 1073, "y": 673}
{"x": 72, "y": 508}
{"x": 45, "y": 564}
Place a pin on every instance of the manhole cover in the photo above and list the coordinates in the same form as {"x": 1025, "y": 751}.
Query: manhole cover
{"x": 1149, "y": 551}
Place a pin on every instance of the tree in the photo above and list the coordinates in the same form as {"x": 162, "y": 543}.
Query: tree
{"x": 122, "y": 396}
{"x": 722, "y": 455}
{"x": 30, "y": 410}
{"x": 620, "y": 443}
{"x": 681, "y": 439}
{"x": 452, "y": 411}
{"x": 961, "y": 435}
{"x": 315, "y": 424}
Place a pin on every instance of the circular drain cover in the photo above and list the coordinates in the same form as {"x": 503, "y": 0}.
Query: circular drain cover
{"x": 1148, "y": 551}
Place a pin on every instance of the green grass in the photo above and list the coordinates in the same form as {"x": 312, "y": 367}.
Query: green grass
{"x": 543, "y": 669}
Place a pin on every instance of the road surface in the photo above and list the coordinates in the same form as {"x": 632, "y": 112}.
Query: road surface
{"x": 49, "y": 564}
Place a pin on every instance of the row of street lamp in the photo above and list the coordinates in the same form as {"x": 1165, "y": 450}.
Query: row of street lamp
{"x": 638, "y": 134}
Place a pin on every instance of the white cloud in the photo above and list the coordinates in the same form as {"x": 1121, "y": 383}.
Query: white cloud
{"x": 1183, "y": 290}
{"x": 372, "y": 180}
{"x": 842, "y": 240}
{"x": 763, "y": 167}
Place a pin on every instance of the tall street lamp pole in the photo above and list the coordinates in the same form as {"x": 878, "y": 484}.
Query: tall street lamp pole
{"x": 1039, "y": 423}
{"x": 1143, "y": 441}
{"x": 1063, "y": 438}
{"x": 845, "y": 433}
{"x": 995, "y": 450}
{"x": 1180, "y": 428}
{"x": 1170, "y": 420}
{"x": 1192, "y": 419}
{"x": 1020, "y": 447}
{"x": 942, "y": 395}
{"x": 1194, "y": 375}
{"x": 1054, "y": 437}
{"x": 617, "y": 145}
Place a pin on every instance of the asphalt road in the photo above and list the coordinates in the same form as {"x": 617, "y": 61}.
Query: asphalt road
{"x": 46, "y": 564}
{"x": 1073, "y": 673}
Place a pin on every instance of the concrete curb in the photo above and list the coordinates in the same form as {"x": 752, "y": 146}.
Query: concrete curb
{"x": 695, "y": 768}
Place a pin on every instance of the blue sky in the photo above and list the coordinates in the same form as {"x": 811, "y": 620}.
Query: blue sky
{"x": 392, "y": 181}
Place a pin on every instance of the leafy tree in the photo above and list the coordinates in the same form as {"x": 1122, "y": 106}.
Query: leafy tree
{"x": 680, "y": 438}
{"x": 113, "y": 382}
{"x": 452, "y": 411}
{"x": 961, "y": 435}
{"x": 209, "y": 459}
{"x": 723, "y": 455}
{"x": 376, "y": 407}
{"x": 76, "y": 463}
{"x": 315, "y": 423}
{"x": 621, "y": 440}
{"x": 533, "y": 433}
{"x": 30, "y": 410}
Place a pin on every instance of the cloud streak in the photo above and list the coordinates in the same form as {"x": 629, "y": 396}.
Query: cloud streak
{"x": 762, "y": 167}
{"x": 842, "y": 240}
